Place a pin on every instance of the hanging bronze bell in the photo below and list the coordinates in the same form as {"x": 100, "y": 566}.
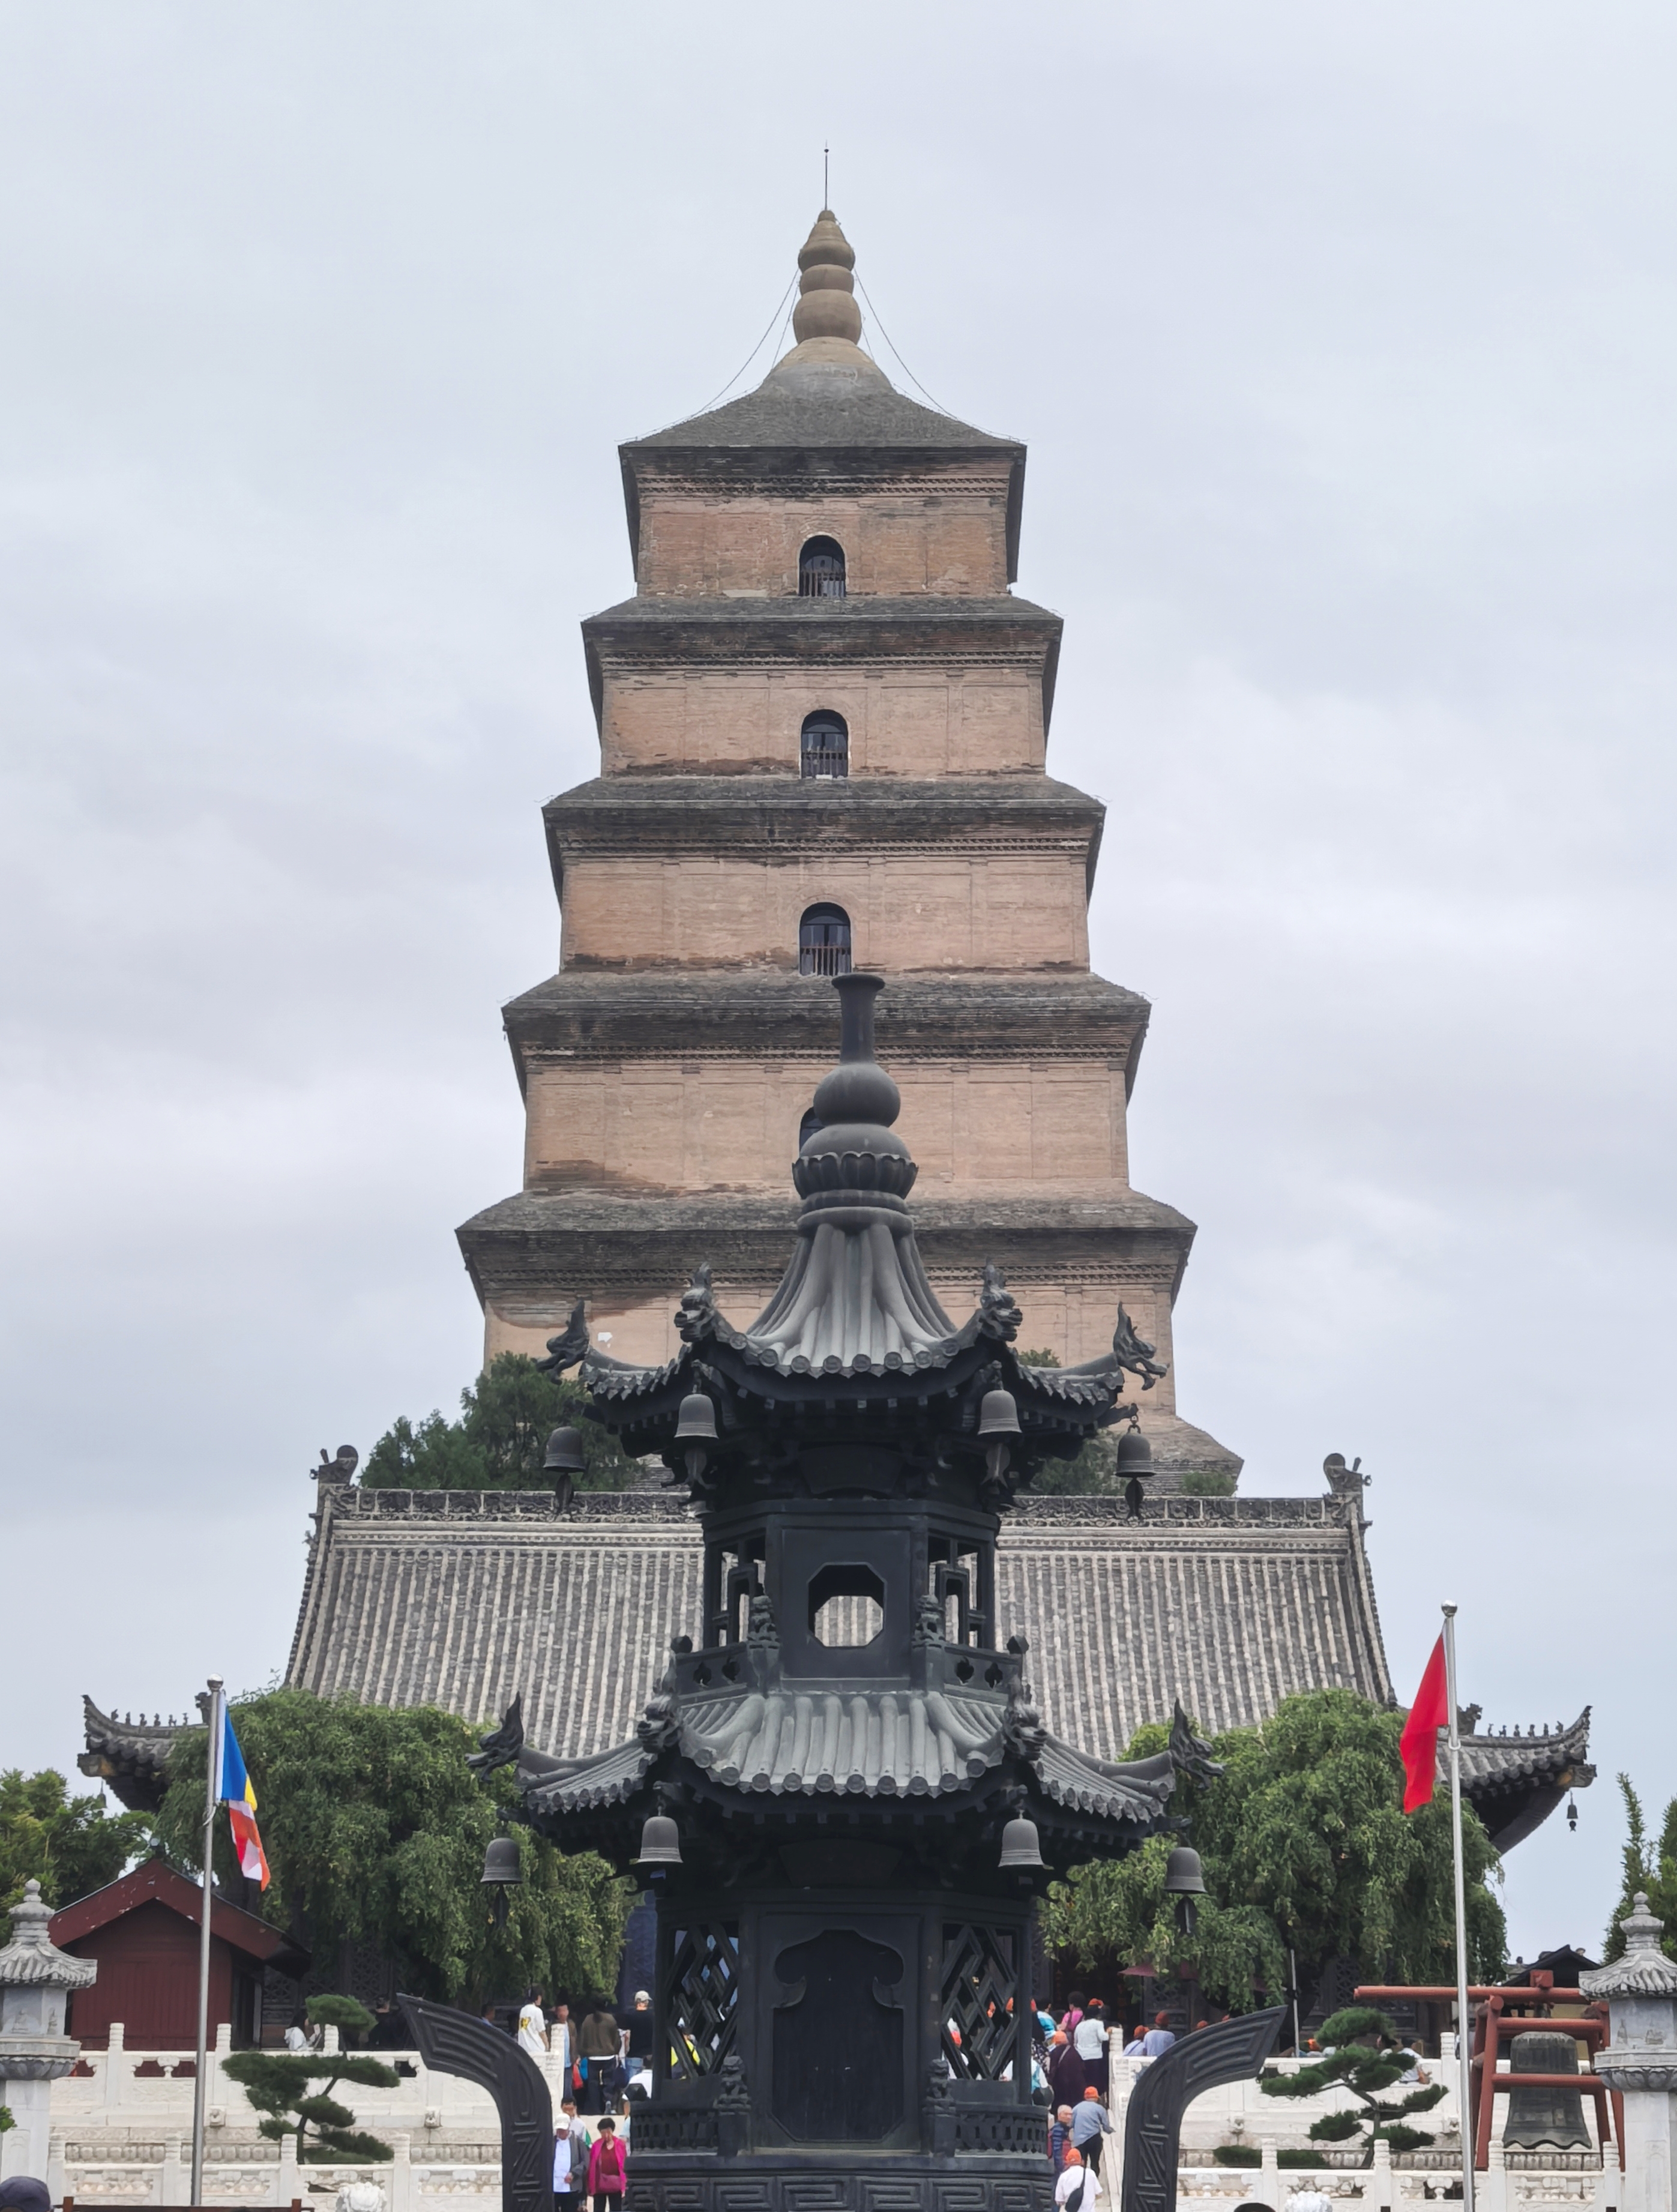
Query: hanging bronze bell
{"x": 1545, "y": 2120}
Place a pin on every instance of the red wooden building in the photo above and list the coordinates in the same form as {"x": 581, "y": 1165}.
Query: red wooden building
{"x": 143, "y": 1930}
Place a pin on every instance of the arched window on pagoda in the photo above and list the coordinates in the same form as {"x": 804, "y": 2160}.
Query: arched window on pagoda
{"x": 825, "y": 746}
{"x": 820, "y": 569}
{"x": 823, "y": 941}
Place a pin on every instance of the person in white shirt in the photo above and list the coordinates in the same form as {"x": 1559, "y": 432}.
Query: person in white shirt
{"x": 1078, "y": 2187}
{"x": 533, "y": 2027}
{"x": 570, "y": 2158}
{"x": 297, "y": 2037}
{"x": 1089, "y": 2040}
{"x": 559, "y": 2040}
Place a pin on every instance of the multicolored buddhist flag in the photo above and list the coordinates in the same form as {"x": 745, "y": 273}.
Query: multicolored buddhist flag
{"x": 239, "y": 1794}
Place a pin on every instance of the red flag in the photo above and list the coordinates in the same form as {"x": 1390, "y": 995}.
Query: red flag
{"x": 1419, "y": 1740}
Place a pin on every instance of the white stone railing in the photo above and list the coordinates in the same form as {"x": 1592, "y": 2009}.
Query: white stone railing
{"x": 119, "y": 2137}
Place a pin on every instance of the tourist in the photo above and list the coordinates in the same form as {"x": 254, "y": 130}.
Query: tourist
{"x": 1066, "y": 2079}
{"x": 599, "y": 2041}
{"x": 570, "y": 2157}
{"x": 300, "y": 2037}
{"x": 1089, "y": 2040}
{"x": 22, "y": 2193}
{"x": 1134, "y": 2048}
{"x": 559, "y": 2041}
{"x": 607, "y": 2167}
{"x": 1158, "y": 2038}
{"x": 533, "y": 2027}
{"x": 1079, "y": 2185}
{"x": 1060, "y": 2137}
{"x": 1072, "y": 2014}
{"x": 638, "y": 2036}
{"x": 1091, "y": 2123}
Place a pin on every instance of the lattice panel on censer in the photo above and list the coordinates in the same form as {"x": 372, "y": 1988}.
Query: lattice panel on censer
{"x": 700, "y": 1998}
{"x": 980, "y": 1977}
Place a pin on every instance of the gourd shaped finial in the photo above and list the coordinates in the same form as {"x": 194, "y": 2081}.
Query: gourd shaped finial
{"x": 853, "y": 1147}
{"x": 826, "y": 307}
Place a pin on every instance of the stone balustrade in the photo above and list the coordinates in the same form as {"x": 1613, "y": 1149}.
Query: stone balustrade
{"x": 122, "y": 2136}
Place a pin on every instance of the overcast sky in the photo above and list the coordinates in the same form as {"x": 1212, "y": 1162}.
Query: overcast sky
{"x": 1343, "y": 340}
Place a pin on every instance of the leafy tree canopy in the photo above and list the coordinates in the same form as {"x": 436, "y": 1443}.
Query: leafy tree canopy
{"x": 498, "y": 1442}
{"x": 375, "y": 1829}
{"x": 279, "y": 2087}
{"x": 69, "y": 1845}
{"x": 1651, "y": 1867}
{"x": 1364, "y": 2053}
{"x": 1304, "y": 1844}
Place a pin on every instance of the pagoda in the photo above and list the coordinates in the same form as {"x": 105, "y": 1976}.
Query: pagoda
{"x": 822, "y": 722}
{"x": 842, "y": 1794}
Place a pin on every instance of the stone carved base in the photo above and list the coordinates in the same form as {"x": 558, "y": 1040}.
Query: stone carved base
{"x": 895, "y": 2182}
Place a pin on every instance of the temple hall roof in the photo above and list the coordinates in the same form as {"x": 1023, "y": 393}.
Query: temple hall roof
{"x": 463, "y": 1598}
{"x": 130, "y": 1756}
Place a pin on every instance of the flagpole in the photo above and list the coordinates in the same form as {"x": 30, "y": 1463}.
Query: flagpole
{"x": 1463, "y": 2034}
{"x": 211, "y": 1795}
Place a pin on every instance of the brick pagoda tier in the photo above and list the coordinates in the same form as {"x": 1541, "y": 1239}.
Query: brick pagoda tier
{"x": 823, "y": 719}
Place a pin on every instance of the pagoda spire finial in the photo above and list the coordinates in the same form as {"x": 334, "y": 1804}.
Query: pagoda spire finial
{"x": 826, "y": 360}
{"x": 826, "y": 307}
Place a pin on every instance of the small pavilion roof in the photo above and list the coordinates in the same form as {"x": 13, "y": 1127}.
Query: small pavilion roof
{"x": 157, "y": 1882}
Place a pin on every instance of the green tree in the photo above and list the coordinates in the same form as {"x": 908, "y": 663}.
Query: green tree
{"x": 499, "y": 1441}
{"x": 279, "y": 2086}
{"x": 69, "y": 1845}
{"x": 6, "y": 2120}
{"x": 1094, "y": 1472}
{"x": 1089, "y": 1474}
{"x": 375, "y": 1830}
{"x": 1649, "y": 1868}
{"x": 1305, "y": 1845}
{"x": 1364, "y": 2054}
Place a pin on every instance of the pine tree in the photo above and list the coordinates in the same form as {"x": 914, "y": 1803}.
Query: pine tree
{"x": 278, "y": 2084}
{"x": 1365, "y": 2054}
{"x": 1648, "y": 1868}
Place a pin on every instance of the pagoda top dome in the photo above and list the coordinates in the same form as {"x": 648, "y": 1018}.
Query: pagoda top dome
{"x": 826, "y": 323}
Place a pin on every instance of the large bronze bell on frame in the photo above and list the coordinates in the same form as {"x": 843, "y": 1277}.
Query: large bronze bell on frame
{"x": 1545, "y": 2120}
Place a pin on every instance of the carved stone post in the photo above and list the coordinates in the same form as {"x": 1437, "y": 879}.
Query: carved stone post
{"x": 1641, "y": 2059}
{"x": 35, "y": 1978}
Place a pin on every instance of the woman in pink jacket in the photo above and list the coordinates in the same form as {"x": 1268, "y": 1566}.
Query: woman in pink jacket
{"x": 606, "y": 2168}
